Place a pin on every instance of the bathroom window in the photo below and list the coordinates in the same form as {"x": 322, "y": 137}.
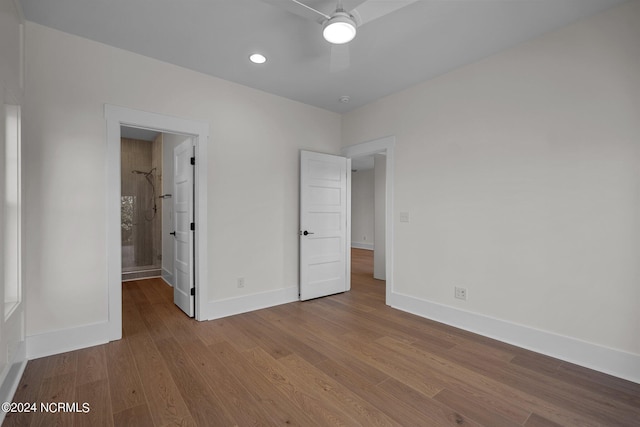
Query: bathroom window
{"x": 12, "y": 250}
{"x": 127, "y": 213}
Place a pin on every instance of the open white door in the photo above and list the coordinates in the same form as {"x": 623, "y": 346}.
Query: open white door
{"x": 323, "y": 225}
{"x": 184, "y": 288}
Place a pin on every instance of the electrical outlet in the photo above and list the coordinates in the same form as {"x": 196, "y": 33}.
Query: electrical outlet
{"x": 461, "y": 293}
{"x": 364, "y": 238}
{"x": 241, "y": 282}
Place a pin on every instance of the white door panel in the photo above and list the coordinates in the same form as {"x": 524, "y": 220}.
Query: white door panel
{"x": 183, "y": 217}
{"x": 323, "y": 225}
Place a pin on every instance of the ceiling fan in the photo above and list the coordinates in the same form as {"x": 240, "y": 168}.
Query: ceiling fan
{"x": 340, "y": 26}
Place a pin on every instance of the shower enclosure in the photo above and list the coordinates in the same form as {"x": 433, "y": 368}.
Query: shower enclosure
{"x": 141, "y": 210}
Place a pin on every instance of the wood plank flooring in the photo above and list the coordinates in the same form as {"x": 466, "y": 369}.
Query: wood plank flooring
{"x": 343, "y": 360}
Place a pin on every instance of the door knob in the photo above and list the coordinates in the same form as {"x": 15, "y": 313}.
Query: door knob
{"x": 306, "y": 233}
{"x": 173, "y": 233}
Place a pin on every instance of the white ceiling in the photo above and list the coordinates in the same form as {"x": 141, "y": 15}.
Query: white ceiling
{"x": 413, "y": 44}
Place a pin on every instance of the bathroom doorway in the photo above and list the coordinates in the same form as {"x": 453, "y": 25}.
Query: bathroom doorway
{"x": 149, "y": 231}
{"x": 198, "y": 134}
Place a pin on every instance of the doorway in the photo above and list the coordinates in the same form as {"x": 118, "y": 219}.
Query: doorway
{"x": 156, "y": 234}
{"x": 147, "y": 208}
{"x": 198, "y": 132}
{"x": 368, "y": 200}
{"x": 325, "y": 209}
{"x": 380, "y": 151}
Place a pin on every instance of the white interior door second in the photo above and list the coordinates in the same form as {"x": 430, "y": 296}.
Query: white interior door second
{"x": 184, "y": 284}
{"x": 323, "y": 225}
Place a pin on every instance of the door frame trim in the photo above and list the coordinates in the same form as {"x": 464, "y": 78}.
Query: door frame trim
{"x": 115, "y": 117}
{"x": 384, "y": 145}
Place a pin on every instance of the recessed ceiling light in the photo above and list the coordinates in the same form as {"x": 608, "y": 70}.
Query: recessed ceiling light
{"x": 344, "y": 99}
{"x": 257, "y": 58}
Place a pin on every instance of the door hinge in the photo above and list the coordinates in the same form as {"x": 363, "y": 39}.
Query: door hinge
{"x": 193, "y": 160}
{"x": 193, "y": 291}
{"x": 193, "y": 226}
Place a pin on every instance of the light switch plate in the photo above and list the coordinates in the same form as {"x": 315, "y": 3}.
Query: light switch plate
{"x": 404, "y": 216}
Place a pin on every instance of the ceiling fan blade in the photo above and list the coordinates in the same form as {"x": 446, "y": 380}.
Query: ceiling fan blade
{"x": 373, "y": 9}
{"x": 340, "y": 57}
{"x": 351, "y": 4}
{"x": 298, "y": 8}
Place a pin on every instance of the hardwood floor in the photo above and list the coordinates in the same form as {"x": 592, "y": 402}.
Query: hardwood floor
{"x": 342, "y": 360}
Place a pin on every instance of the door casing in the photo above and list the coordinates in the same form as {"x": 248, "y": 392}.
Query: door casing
{"x": 386, "y": 146}
{"x": 121, "y": 116}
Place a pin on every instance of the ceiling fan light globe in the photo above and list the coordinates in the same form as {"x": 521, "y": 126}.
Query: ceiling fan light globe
{"x": 339, "y": 29}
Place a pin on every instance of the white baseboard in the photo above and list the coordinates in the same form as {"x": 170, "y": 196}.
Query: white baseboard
{"x": 167, "y": 276}
{"x": 245, "y": 304}
{"x": 61, "y": 341}
{"x": 357, "y": 245}
{"x": 11, "y": 376}
{"x": 610, "y": 361}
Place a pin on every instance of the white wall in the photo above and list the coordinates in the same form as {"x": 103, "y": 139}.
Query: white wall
{"x": 12, "y": 349}
{"x": 253, "y": 164}
{"x": 362, "y": 209}
{"x": 169, "y": 142}
{"x": 520, "y": 174}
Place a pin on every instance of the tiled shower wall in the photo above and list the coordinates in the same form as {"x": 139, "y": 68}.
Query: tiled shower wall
{"x": 141, "y": 224}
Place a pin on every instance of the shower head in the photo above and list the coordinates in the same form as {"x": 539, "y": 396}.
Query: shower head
{"x": 137, "y": 172}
